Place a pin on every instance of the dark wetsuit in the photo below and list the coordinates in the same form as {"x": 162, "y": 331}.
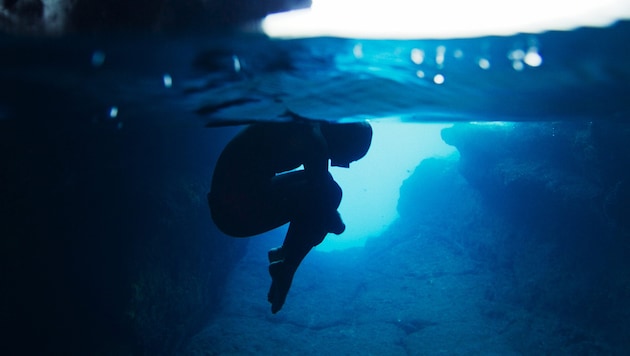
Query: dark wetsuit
{"x": 249, "y": 195}
{"x": 253, "y": 192}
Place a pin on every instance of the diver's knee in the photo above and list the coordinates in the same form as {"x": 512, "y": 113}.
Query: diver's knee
{"x": 334, "y": 194}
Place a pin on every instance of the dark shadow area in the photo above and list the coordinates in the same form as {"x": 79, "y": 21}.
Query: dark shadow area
{"x": 107, "y": 243}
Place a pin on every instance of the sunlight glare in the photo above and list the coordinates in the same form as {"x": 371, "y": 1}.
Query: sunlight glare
{"x": 405, "y": 19}
{"x": 371, "y": 186}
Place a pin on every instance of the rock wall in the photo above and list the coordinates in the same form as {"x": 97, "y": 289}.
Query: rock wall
{"x": 107, "y": 242}
{"x": 58, "y": 16}
{"x": 545, "y": 207}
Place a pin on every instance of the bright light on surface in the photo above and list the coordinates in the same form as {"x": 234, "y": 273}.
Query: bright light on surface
{"x": 502, "y": 124}
{"x": 442, "y": 19}
{"x": 371, "y": 186}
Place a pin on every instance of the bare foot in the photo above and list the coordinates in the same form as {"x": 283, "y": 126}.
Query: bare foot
{"x": 281, "y": 279}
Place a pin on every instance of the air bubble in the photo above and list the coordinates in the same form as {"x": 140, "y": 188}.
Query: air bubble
{"x": 168, "y": 80}
{"x": 518, "y": 65}
{"x": 483, "y": 63}
{"x": 357, "y": 51}
{"x": 516, "y": 55}
{"x": 113, "y": 112}
{"x": 417, "y": 56}
{"x": 439, "y": 55}
{"x": 532, "y": 58}
{"x": 98, "y": 58}
{"x": 237, "y": 63}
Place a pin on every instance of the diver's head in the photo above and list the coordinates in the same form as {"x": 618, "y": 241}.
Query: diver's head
{"x": 347, "y": 142}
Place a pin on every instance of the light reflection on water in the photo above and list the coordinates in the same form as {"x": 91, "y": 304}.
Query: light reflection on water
{"x": 245, "y": 78}
{"x": 440, "y": 57}
{"x": 409, "y": 19}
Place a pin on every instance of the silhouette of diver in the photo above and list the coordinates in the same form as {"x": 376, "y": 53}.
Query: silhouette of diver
{"x": 256, "y": 188}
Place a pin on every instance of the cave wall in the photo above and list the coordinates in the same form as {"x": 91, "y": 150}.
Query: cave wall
{"x": 545, "y": 208}
{"x": 107, "y": 242}
{"x": 568, "y": 172}
{"x": 59, "y": 16}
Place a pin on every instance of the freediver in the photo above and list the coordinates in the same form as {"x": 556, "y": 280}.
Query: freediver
{"x": 257, "y": 187}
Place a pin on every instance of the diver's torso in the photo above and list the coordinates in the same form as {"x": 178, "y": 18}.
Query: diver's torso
{"x": 258, "y": 153}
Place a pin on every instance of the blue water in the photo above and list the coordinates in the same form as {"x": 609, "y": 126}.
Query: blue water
{"x": 241, "y": 78}
{"x": 516, "y": 244}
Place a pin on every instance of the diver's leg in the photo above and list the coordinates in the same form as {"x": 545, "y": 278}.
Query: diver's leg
{"x": 310, "y": 225}
{"x": 314, "y": 202}
{"x": 313, "y": 205}
{"x": 275, "y": 254}
{"x": 312, "y": 209}
{"x": 297, "y": 244}
{"x": 331, "y": 220}
{"x": 293, "y": 197}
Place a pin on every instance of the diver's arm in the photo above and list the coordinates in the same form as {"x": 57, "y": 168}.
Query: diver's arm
{"x": 316, "y": 154}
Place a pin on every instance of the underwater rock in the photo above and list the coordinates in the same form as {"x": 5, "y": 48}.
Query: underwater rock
{"x": 533, "y": 169}
{"x": 572, "y": 171}
{"x": 37, "y": 16}
{"x": 434, "y": 187}
{"x": 547, "y": 214}
{"x": 107, "y": 242}
{"x": 22, "y": 15}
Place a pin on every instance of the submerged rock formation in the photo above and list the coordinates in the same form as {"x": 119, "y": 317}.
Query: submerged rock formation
{"x": 547, "y": 211}
{"x": 572, "y": 173}
{"x": 107, "y": 242}
{"x": 58, "y": 16}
